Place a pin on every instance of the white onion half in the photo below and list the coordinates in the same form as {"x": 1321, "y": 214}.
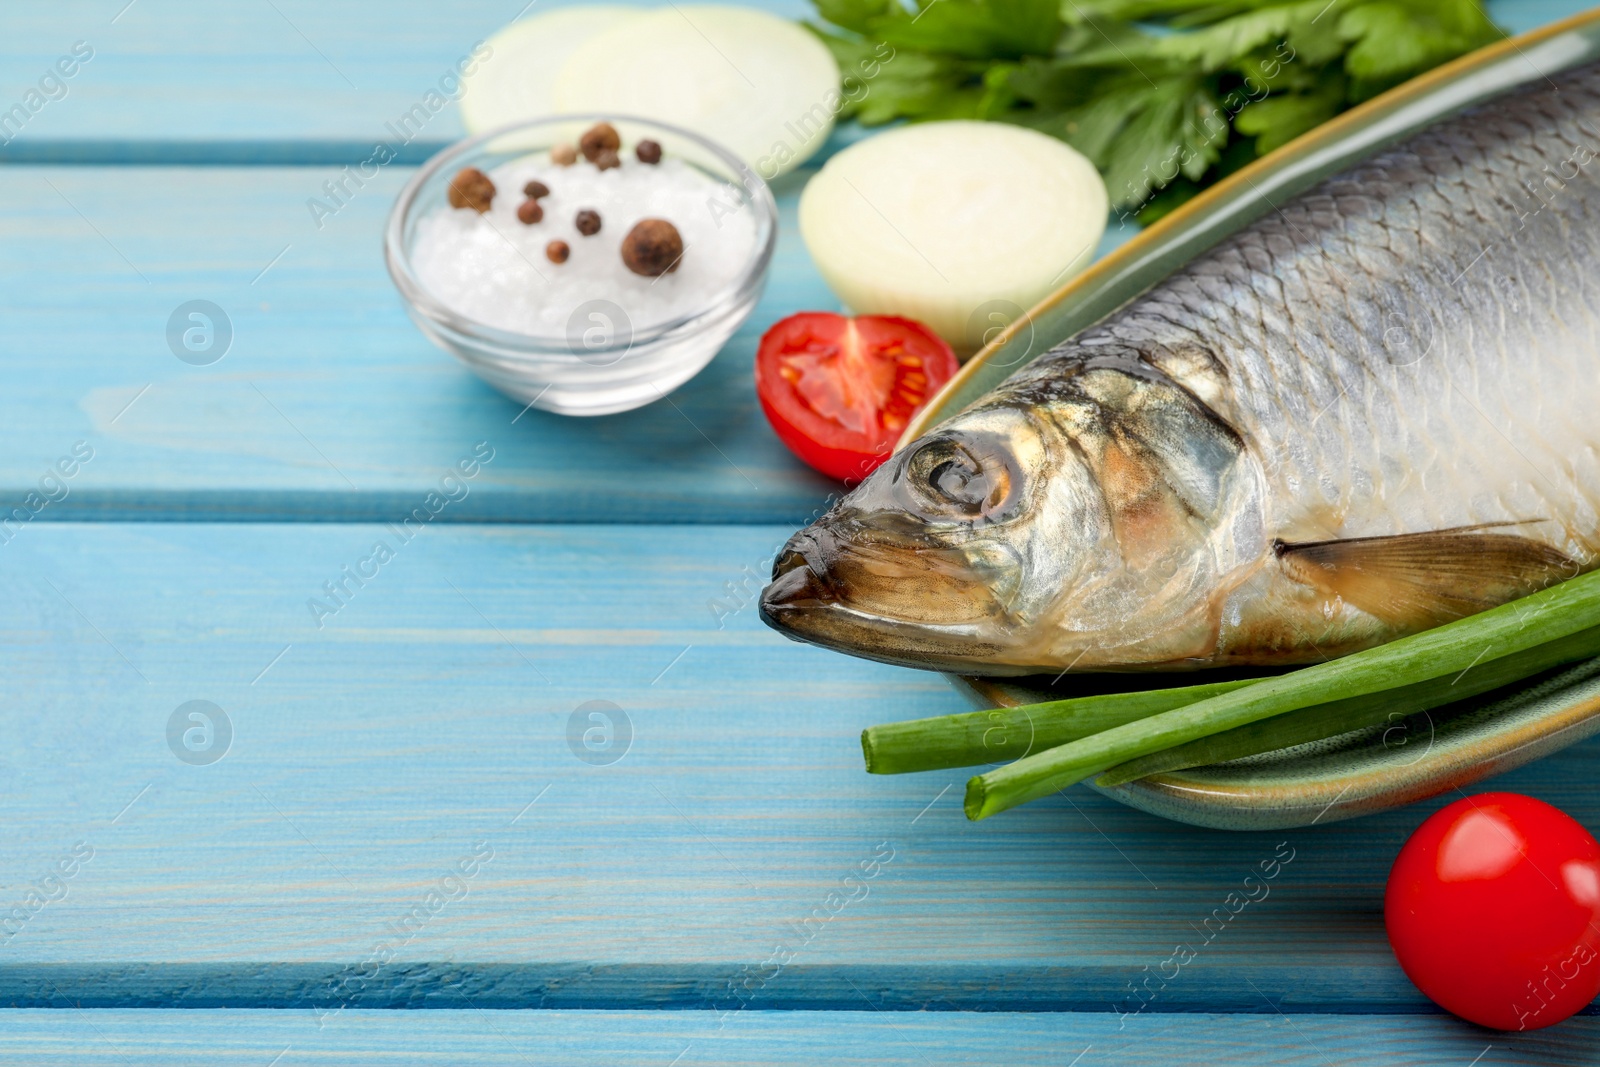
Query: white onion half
{"x": 761, "y": 86}
{"x": 516, "y": 83}
{"x": 959, "y": 225}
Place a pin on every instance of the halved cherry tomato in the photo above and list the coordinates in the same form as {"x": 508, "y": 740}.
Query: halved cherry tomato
{"x": 1493, "y": 909}
{"x": 839, "y": 391}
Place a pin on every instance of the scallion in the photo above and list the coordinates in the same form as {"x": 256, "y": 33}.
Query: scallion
{"x": 1342, "y": 716}
{"x": 1006, "y": 734}
{"x": 1546, "y": 616}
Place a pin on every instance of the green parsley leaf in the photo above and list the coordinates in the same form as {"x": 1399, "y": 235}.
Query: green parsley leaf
{"x": 1219, "y": 46}
{"x": 1393, "y": 40}
{"x": 857, "y": 15}
{"x": 976, "y": 29}
{"x": 1163, "y": 96}
{"x": 882, "y": 84}
{"x": 1279, "y": 119}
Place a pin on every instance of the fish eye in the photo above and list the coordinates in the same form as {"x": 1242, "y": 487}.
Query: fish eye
{"x": 952, "y": 478}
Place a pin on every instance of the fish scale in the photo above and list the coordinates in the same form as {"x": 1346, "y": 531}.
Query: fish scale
{"x": 1305, "y": 310}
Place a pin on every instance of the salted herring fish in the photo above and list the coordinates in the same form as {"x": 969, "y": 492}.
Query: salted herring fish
{"x": 1374, "y": 410}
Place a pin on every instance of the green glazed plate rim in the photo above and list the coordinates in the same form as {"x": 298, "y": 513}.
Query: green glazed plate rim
{"x": 1381, "y": 769}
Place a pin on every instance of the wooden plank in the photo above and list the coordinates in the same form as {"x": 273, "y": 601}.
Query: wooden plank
{"x": 770, "y": 1039}
{"x": 329, "y": 404}
{"x": 735, "y": 856}
{"x": 182, "y": 72}
{"x": 178, "y": 73}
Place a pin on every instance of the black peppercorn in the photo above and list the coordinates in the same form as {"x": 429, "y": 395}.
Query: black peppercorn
{"x": 471, "y": 188}
{"x": 534, "y": 190}
{"x": 648, "y": 152}
{"x": 601, "y": 137}
{"x": 588, "y": 222}
{"x": 652, "y": 248}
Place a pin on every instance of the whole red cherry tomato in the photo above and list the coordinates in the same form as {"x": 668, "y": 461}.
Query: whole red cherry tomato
{"x": 839, "y": 391}
{"x": 1493, "y": 909}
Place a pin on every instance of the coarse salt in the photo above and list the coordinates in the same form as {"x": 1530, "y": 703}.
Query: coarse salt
{"x": 492, "y": 268}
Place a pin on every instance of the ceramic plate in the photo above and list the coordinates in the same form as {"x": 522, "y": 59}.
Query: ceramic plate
{"x": 1404, "y": 761}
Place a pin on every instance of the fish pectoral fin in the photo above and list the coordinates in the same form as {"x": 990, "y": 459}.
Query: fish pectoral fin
{"x": 1419, "y": 580}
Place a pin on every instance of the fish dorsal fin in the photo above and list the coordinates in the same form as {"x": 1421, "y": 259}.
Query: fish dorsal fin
{"x": 1419, "y": 580}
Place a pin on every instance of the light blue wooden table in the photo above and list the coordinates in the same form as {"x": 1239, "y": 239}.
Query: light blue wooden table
{"x": 401, "y": 858}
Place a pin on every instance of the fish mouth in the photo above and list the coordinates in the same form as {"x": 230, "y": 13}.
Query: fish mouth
{"x": 804, "y": 603}
{"x": 793, "y": 590}
{"x": 796, "y": 586}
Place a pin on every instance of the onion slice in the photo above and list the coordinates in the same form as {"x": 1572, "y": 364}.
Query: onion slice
{"x": 516, "y": 82}
{"x": 960, "y": 225}
{"x": 761, "y": 86}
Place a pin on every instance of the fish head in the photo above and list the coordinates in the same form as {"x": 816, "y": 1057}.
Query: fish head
{"x": 926, "y": 561}
{"x": 1070, "y": 518}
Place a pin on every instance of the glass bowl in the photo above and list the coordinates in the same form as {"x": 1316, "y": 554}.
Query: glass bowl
{"x": 603, "y": 361}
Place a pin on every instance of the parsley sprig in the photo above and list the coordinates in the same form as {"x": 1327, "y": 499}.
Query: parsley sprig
{"x": 1165, "y": 96}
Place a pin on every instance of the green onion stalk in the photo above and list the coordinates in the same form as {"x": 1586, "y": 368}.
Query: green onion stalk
{"x": 1413, "y": 670}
